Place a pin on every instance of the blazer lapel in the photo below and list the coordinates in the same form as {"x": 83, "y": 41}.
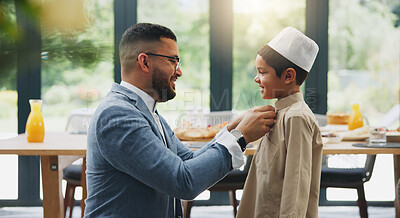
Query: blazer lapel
{"x": 167, "y": 134}
{"x": 140, "y": 105}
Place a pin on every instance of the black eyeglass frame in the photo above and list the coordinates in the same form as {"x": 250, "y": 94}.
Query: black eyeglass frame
{"x": 178, "y": 60}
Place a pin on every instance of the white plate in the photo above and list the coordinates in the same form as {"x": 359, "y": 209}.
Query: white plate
{"x": 331, "y": 140}
{"x": 355, "y": 137}
{"x": 335, "y": 128}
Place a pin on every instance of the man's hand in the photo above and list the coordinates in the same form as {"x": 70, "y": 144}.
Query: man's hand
{"x": 255, "y": 122}
{"x": 235, "y": 123}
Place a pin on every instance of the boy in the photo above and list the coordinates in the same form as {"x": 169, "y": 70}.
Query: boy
{"x": 284, "y": 176}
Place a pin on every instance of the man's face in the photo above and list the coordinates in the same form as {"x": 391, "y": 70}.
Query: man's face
{"x": 163, "y": 84}
{"x": 164, "y": 72}
{"x": 271, "y": 86}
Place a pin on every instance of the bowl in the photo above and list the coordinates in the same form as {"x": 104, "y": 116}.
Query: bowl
{"x": 335, "y": 140}
{"x": 331, "y": 137}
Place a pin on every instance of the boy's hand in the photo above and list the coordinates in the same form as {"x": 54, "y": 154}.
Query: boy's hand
{"x": 255, "y": 122}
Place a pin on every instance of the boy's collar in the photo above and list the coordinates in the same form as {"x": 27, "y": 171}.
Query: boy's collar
{"x": 288, "y": 100}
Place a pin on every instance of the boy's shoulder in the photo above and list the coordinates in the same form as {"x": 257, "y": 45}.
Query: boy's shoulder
{"x": 300, "y": 109}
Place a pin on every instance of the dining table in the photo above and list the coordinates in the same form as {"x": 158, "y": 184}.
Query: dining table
{"x": 59, "y": 149}
{"x": 347, "y": 147}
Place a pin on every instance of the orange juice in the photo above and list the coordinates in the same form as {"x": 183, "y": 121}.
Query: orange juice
{"x": 355, "y": 119}
{"x": 34, "y": 124}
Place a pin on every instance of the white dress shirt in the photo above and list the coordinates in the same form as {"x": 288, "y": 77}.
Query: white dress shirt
{"x": 223, "y": 137}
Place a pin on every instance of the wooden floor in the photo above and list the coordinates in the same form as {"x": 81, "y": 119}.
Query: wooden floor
{"x": 215, "y": 212}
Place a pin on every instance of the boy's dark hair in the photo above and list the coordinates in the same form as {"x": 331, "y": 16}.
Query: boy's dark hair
{"x": 142, "y": 36}
{"x": 280, "y": 63}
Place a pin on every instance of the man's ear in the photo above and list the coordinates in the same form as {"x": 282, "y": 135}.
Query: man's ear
{"x": 143, "y": 62}
{"x": 289, "y": 75}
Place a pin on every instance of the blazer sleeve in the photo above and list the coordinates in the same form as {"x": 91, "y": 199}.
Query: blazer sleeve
{"x": 127, "y": 141}
{"x": 298, "y": 168}
{"x": 183, "y": 151}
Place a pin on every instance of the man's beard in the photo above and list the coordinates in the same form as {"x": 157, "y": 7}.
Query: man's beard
{"x": 162, "y": 85}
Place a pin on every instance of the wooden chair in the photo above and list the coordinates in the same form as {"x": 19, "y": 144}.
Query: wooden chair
{"x": 72, "y": 174}
{"x": 397, "y": 197}
{"x": 233, "y": 181}
{"x": 78, "y": 123}
{"x": 350, "y": 177}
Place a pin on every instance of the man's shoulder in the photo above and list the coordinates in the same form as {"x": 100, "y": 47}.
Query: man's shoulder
{"x": 114, "y": 105}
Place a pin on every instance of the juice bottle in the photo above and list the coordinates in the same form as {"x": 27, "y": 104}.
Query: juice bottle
{"x": 34, "y": 124}
{"x": 355, "y": 119}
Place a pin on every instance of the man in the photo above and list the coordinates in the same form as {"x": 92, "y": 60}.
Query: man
{"x": 136, "y": 166}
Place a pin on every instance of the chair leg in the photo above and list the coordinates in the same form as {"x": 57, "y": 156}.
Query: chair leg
{"x": 71, "y": 206}
{"x": 67, "y": 190}
{"x": 232, "y": 196}
{"x": 69, "y": 199}
{"x": 187, "y": 207}
{"x": 84, "y": 188}
{"x": 361, "y": 202}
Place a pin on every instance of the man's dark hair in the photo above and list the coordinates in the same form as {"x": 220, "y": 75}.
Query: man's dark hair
{"x": 142, "y": 37}
{"x": 280, "y": 63}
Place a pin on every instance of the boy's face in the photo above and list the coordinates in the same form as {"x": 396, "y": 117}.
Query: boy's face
{"x": 271, "y": 85}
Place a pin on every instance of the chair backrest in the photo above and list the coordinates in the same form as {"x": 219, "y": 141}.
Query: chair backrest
{"x": 398, "y": 192}
{"x": 78, "y": 121}
{"x": 200, "y": 119}
{"x": 321, "y": 119}
{"x": 392, "y": 116}
{"x": 369, "y": 166}
{"x": 248, "y": 162}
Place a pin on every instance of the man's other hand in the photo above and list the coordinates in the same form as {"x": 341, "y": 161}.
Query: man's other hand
{"x": 255, "y": 122}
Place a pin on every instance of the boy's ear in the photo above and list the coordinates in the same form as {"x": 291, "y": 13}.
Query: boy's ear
{"x": 289, "y": 75}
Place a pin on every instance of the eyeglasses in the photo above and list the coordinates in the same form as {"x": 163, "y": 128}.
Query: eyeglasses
{"x": 177, "y": 59}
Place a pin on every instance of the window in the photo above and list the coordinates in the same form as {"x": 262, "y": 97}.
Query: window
{"x": 364, "y": 54}
{"x": 77, "y": 58}
{"x": 189, "y": 20}
{"x": 8, "y": 98}
{"x": 256, "y": 22}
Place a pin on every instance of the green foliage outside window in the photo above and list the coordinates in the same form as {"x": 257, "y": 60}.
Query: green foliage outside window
{"x": 362, "y": 41}
{"x": 189, "y": 20}
{"x": 363, "y": 57}
{"x": 255, "y": 25}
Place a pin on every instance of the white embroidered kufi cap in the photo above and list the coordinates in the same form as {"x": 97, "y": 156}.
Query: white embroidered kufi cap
{"x": 296, "y": 47}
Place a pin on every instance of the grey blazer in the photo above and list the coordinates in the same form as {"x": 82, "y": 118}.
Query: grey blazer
{"x": 131, "y": 173}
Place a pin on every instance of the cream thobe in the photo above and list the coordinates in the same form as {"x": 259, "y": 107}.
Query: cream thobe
{"x": 284, "y": 176}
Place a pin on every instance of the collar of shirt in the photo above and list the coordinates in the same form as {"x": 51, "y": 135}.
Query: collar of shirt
{"x": 288, "y": 100}
{"x": 148, "y": 100}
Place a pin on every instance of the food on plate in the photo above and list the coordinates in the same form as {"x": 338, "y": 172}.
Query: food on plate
{"x": 188, "y": 133}
{"x": 394, "y": 130}
{"x": 337, "y": 118}
{"x": 331, "y": 137}
{"x": 361, "y": 133}
{"x": 328, "y": 134}
{"x": 221, "y": 125}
